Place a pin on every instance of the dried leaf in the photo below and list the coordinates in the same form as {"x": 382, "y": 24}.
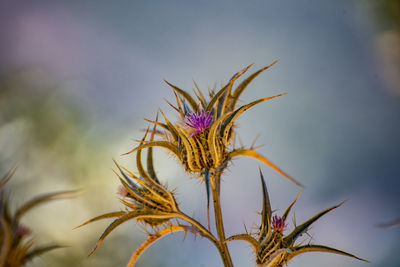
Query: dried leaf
{"x": 266, "y": 209}
{"x": 43, "y": 199}
{"x": 104, "y": 216}
{"x": 253, "y": 154}
{"x": 320, "y": 248}
{"x": 291, "y": 238}
{"x": 185, "y": 95}
{"x": 243, "y": 85}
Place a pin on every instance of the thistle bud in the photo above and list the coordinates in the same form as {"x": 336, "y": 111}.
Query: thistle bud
{"x": 278, "y": 224}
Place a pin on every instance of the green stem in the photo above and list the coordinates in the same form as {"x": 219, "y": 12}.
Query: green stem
{"x": 204, "y": 232}
{"x": 224, "y": 251}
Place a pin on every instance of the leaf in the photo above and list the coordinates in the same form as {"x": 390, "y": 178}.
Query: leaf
{"x": 226, "y": 88}
{"x": 7, "y": 176}
{"x": 200, "y": 96}
{"x": 190, "y": 151}
{"x": 162, "y": 125}
{"x": 266, "y": 209}
{"x": 291, "y": 238}
{"x": 320, "y": 248}
{"x": 203, "y": 153}
{"x": 121, "y": 220}
{"x": 150, "y": 165}
{"x": 139, "y": 165}
{"x": 284, "y": 216}
{"x": 171, "y": 128}
{"x": 243, "y": 85}
{"x": 16, "y": 256}
{"x": 152, "y": 239}
{"x": 128, "y": 180}
{"x": 164, "y": 144}
{"x": 212, "y": 140}
{"x": 157, "y": 193}
{"x": 191, "y": 161}
{"x": 104, "y": 216}
{"x": 276, "y": 258}
{"x": 194, "y": 150}
{"x": 245, "y": 237}
{"x": 40, "y": 250}
{"x": 216, "y": 97}
{"x": 181, "y": 112}
{"x": 253, "y": 154}
{"x": 43, "y": 199}
{"x": 139, "y": 197}
{"x": 185, "y": 95}
{"x": 172, "y": 106}
{"x": 235, "y": 115}
{"x": 6, "y": 241}
{"x": 186, "y": 109}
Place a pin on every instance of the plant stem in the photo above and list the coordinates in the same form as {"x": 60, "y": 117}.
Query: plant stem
{"x": 204, "y": 232}
{"x": 224, "y": 251}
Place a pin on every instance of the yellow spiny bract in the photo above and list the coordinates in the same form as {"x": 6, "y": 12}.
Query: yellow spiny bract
{"x": 148, "y": 198}
{"x": 210, "y": 149}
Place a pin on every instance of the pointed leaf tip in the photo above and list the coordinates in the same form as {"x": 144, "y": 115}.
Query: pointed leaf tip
{"x": 266, "y": 209}
{"x": 241, "y": 72}
{"x": 321, "y": 248}
{"x": 291, "y": 238}
{"x": 7, "y": 176}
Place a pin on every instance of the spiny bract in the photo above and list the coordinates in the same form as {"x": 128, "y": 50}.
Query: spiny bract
{"x": 271, "y": 247}
{"x": 147, "y": 201}
{"x": 203, "y": 142}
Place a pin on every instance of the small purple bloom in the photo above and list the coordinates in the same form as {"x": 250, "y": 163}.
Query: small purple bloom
{"x": 278, "y": 224}
{"x": 199, "y": 122}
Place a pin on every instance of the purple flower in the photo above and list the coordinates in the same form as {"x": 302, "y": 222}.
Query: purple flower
{"x": 199, "y": 122}
{"x": 278, "y": 224}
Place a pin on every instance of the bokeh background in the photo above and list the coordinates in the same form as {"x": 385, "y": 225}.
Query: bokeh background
{"x": 78, "y": 77}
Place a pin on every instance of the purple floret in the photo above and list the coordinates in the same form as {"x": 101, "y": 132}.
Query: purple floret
{"x": 278, "y": 224}
{"x": 199, "y": 122}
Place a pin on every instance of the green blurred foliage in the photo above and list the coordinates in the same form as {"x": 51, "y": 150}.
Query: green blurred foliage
{"x": 50, "y": 136}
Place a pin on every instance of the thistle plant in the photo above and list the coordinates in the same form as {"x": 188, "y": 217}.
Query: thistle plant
{"x": 203, "y": 141}
{"x": 271, "y": 246}
{"x": 17, "y": 246}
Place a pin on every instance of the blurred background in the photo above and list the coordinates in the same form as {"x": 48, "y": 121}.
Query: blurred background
{"x": 78, "y": 77}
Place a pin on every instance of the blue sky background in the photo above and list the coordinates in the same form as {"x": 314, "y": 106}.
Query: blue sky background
{"x": 78, "y": 77}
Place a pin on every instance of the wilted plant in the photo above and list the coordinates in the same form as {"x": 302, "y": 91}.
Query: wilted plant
{"x": 16, "y": 241}
{"x": 203, "y": 142}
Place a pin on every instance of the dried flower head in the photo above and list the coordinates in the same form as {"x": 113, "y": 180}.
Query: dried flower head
{"x": 271, "y": 247}
{"x": 16, "y": 245}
